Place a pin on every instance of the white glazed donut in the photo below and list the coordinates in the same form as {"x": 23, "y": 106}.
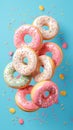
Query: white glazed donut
{"x": 49, "y": 68}
{"x": 47, "y": 21}
{"x": 18, "y": 63}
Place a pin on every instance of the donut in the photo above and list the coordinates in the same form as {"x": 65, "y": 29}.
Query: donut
{"x": 49, "y": 67}
{"x": 47, "y": 21}
{"x": 18, "y": 63}
{"x": 22, "y": 102}
{"x": 56, "y": 51}
{"x": 12, "y": 81}
{"x": 21, "y": 32}
{"x": 39, "y": 97}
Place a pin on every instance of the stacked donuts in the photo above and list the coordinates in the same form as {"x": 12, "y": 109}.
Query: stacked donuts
{"x": 35, "y": 52}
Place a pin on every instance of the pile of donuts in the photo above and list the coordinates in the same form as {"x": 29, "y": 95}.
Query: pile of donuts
{"x": 35, "y": 52}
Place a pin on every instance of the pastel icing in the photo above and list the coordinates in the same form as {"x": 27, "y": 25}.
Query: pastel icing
{"x": 38, "y": 94}
{"x": 12, "y": 81}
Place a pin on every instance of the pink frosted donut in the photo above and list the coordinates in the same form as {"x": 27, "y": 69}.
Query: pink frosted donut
{"x": 38, "y": 94}
{"x": 47, "y": 21}
{"x": 56, "y": 51}
{"x": 48, "y": 70}
{"x": 33, "y": 32}
{"x": 22, "y": 102}
{"x": 18, "y": 63}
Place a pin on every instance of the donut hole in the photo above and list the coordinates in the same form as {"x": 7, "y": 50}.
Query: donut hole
{"x": 49, "y": 54}
{"x": 27, "y": 39}
{"x": 32, "y": 82}
{"x": 46, "y": 94}
{"x": 16, "y": 74}
{"x": 41, "y": 69}
{"x": 45, "y": 27}
{"x": 28, "y": 97}
{"x": 25, "y": 60}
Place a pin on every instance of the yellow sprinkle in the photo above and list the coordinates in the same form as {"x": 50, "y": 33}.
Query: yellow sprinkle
{"x": 12, "y": 110}
{"x": 61, "y": 76}
{"x": 41, "y": 7}
{"x": 63, "y": 93}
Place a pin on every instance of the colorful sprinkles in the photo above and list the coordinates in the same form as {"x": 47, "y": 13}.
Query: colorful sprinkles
{"x": 42, "y": 118}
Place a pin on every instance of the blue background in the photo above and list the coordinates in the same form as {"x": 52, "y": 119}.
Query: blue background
{"x": 12, "y": 15}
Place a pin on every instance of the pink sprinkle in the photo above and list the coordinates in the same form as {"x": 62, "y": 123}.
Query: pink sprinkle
{"x": 11, "y": 53}
{"x": 21, "y": 121}
{"x": 64, "y": 45}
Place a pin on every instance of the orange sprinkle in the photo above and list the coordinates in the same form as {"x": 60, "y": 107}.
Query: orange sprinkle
{"x": 61, "y": 76}
{"x": 63, "y": 93}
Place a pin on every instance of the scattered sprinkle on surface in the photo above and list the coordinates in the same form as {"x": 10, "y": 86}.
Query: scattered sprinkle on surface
{"x": 11, "y": 53}
{"x": 65, "y": 45}
{"x": 21, "y": 121}
{"x": 63, "y": 93}
{"x": 41, "y": 7}
{"x": 12, "y": 110}
{"x": 61, "y": 76}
